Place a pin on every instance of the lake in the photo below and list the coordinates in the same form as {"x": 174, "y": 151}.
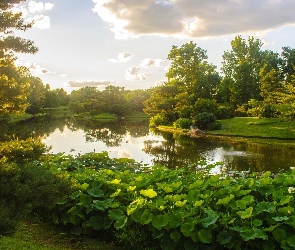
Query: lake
{"x": 134, "y": 139}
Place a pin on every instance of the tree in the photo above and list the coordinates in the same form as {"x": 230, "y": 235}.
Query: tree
{"x": 14, "y": 80}
{"x": 136, "y": 98}
{"x": 288, "y": 56}
{"x": 242, "y": 64}
{"x": 190, "y": 70}
{"x": 37, "y": 96}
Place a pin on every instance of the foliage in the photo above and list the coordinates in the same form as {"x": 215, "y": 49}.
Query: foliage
{"x": 183, "y": 123}
{"x": 176, "y": 208}
{"x": 224, "y": 112}
{"x": 26, "y": 188}
{"x": 21, "y": 151}
{"x": 204, "y": 120}
{"x": 159, "y": 119}
{"x": 205, "y": 105}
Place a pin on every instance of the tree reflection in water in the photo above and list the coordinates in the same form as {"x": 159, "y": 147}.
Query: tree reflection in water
{"x": 156, "y": 147}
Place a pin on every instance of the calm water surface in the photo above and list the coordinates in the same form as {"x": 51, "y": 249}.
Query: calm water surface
{"x": 135, "y": 140}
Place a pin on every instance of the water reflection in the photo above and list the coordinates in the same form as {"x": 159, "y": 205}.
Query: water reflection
{"x": 134, "y": 140}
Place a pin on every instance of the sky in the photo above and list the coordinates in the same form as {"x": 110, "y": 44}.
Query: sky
{"x": 126, "y": 42}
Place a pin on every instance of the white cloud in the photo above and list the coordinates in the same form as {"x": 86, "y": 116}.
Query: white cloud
{"x": 62, "y": 75}
{"x": 193, "y": 18}
{"x": 40, "y": 21}
{"x": 36, "y": 69}
{"x": 91, "y": 83}
{"x": 133, "y": 74}
{"x": 34, "y": 7}
{"x": 148, "y": 62}
{"x": 123, "y": 57}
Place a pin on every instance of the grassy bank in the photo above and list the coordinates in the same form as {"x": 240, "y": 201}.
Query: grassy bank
{"x": 35, "y": 235}
{"x": 256, "y": 127}
{"x": 249, "y": 127}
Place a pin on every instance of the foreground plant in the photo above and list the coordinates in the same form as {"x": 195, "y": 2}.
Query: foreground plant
{"x": 175, "y": 209}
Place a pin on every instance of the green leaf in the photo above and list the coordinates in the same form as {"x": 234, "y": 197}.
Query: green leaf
{"x": 115, "y": 214}
{"x": 84, "y": 186}
{"x": 225, "y": 200}
{"x": 175, "y": 235}
{"x": 99, "y": 205}
{"x": 210, "y": 219}
{"x": 224, "y": 237}
{"x": 257, "y": 223}
{"x": 285, "y": 199}
{"x": 96, "y": 222}
{"x": 148, "y": 193}
{"x": 160, "y": 221}
{"x": 85, "y": 200}
{"x": 187, "y": 228}
{"x": 175, "y": 220}
{"x": 246, "y": 214}
{"x": 120, "y": 223}
{"x": 205, "y": 235}
{"x": 146, "y": 217}
{"x": 253, "y": 233}
{"x": 291, "y": 241}
{"x": 280, "y": 218}
{"x": 96, "y": 192}
{"x": 265, "y": 207}
{"x": 279, "y": 234}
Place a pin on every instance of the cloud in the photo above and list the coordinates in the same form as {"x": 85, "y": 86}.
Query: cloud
{"x": 133, "y": 74}
{"x": 34, "y": 7}
{"x": 40, "y": 21}
{"x": 91, "y": 83}
{"x": 62, "y": 75}
{"x": 148, "y": 62}
{"x": 193, "y": 18}
{"x": 30, "y": 12}
{"x": 36, "y": 69}
{"x": 123, "y": 57}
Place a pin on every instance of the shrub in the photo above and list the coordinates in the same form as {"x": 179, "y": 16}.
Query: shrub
{"x": 269, "y": 111}
{"x": 27, "y": 189}
{"x": 205, "y": 105}
{"x": 224, "y": 112}
{"x": 21, "y": 151}
{"x": 183, "y": 123}
{"x": 158, "y": 119}
{"x": 204, "y": 120}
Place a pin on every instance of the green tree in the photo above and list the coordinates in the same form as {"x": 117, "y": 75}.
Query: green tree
{"x": 288, "y": 56}
{"x": 37, "y": 95}
{"x": 14, "y": 80}
{"x": 242, "y": 64}
{"x": 136, "y": 98}
{"x": 190, "y": 70}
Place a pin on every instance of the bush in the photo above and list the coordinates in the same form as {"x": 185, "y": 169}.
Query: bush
{"x": 204, "y": 120}
{"x": 183, "y": 123}
{"x": 203, "y": 105}
{"x": 27, "y": 189}
{"x": 224, "y": 112}
{"x": 269, "y": 111}
{"x": 158, "y": 119}
{"x": 21, "y": 151}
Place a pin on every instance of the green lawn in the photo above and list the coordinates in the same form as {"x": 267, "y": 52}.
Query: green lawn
{"x": 257, "y": 127}
{"x": 34, "y": 235}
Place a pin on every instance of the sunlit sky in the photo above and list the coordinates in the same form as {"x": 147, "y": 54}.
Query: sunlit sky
{"x": 126, "y": 42}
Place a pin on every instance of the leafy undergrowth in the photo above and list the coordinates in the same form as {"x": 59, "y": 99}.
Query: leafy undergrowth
{"x": 159, "y": 208}
{"x": 36, "y": 235}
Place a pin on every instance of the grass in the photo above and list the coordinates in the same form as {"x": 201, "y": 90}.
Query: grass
{"x": 36, "y": 235}
{"x": 257, "y": 127}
